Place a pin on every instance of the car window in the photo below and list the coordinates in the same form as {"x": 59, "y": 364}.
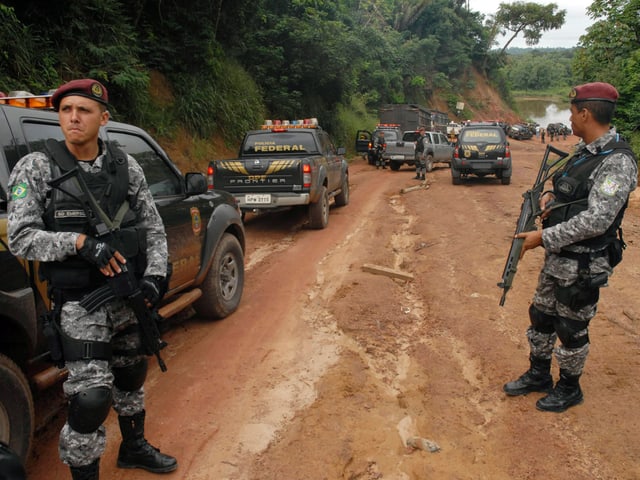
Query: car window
{"x": 161, "y": 178}
{"x": 37, "y": 133}
{"x": 488, "y": 135}
{"x": 286, "y": 143}
{"x": 410, "y": 136}
{"x": 327, "y": 146}
{"x": 390, "y": 135}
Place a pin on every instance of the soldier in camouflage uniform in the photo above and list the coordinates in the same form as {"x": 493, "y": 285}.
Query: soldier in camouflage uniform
{"x": 101, "y": 347}
{"x": 582, "y": 239}
{"x": 421, "y": 164}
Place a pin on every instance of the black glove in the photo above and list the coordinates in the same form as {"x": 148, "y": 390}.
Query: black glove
{"x": 96, "y": 252}
{"x": 150, "y": 288}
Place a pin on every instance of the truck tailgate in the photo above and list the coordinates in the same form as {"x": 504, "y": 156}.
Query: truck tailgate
{"x": 258, "y": 175}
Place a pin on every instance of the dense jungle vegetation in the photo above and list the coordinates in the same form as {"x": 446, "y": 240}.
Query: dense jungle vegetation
{"x": 226, "y": 65}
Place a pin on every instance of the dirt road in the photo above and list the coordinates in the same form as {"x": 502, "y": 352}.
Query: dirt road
{"x": 327, "y": 370}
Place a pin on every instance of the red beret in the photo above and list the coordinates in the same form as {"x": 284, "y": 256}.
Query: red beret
{"x": 85, "y": 87}
{"x": 596, "y": 91}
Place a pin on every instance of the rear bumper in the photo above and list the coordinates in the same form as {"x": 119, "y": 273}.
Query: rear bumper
{"x": 278, "y": 200}
{"x": 482, "y": 166}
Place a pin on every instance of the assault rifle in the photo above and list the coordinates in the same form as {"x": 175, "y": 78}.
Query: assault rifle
{"x": 529, "y": 211}
{"x": 123, "y": 285}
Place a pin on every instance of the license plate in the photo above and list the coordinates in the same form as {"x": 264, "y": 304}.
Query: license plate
{"x": 397, "y": 157}
{"x": 253, "y": 199}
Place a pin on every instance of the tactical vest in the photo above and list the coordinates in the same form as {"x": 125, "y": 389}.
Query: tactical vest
{"x": 571, "y": 186}
{"x": 69, "y": 211}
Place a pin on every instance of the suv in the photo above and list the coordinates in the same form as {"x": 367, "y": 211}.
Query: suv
{"x": 365, "y": 140}
{"x": 437, "y": 148}
{"x": 205, "y": 236}
{"x": 481, "y": 150}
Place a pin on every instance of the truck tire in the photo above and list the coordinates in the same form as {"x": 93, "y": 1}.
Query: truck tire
{"x": 319, "y": 211}
{"x": 429, "y": 162}
{"x": 223, "y": 285}
{"x": 17, "y": 416}
{"x": 342, "y": 198}
{"x": 455, "y": 176}
{"x": 395, "y": 166}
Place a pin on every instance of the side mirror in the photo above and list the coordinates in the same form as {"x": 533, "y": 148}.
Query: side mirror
{"x": 196, "y": 183}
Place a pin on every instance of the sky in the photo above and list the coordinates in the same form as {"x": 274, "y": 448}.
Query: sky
{"x": 575, "y": 23}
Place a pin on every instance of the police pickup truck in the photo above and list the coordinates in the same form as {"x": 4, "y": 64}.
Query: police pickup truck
{"x": 437, "y": 149}
{"x": 206, "y": 243}
{"x": 282, "y": 165}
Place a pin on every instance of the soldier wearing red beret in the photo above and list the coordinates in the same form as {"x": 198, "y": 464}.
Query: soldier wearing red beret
{"x": 100, "y": 344}
{"x": 582, "y": 238}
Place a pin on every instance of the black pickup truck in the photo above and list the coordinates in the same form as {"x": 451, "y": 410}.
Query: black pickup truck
{"x": 285, "y": 165}
{"x": 206, "y": 240}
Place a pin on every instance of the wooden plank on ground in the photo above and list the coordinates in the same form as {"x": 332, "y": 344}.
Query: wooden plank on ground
{"x": 389, "y": 272}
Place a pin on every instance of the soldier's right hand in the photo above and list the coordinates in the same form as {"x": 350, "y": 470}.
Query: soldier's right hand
{"x": 101, "y": 254}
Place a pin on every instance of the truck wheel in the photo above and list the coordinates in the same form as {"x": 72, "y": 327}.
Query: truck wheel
{"x": 16, "y": 408}
{"x": 342, "y": 198}
{"x": 455, "y": 176}
{"x": 429, "y": 162}
{"x": 395, "y": 166}
{"x": 222, "y": 288}
{"x": 319, "y": 211}
{"x": 506, "y": 180}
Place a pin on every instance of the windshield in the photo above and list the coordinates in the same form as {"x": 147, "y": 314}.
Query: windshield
{"x": 289, "y": 142}
{"x": 475, "y": 135}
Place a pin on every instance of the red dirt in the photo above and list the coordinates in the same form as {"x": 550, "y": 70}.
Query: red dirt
{"x": 326, "y": 370}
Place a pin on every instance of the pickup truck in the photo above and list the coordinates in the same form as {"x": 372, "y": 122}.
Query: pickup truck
{"x": 282, "y": 165}
{"x": 437, "y": 149}
{"x": 365, "y": 140}
{"x": 206, "y": 241}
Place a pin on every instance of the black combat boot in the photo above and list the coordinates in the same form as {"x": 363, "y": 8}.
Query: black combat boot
{"x": 536, "y": 379}
{"x": 87, "y": 472}
{"x": 136, "y": 452}
{"x": 566, "y": 394}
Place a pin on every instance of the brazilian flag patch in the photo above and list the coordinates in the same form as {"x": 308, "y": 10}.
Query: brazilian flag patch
{"x": 19, "y": 191}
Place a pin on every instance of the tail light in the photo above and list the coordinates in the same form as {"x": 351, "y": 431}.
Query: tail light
{"x": 507, "y": 152}
{"x": 456, "y": 152}
{"x": 210, "y": 171}
{"x": 306, "y": 175}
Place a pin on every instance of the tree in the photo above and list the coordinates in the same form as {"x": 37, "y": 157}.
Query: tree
{"x": 530, "y": 19}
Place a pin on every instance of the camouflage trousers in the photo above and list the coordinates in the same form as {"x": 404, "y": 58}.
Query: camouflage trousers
{"x": 105, "y": 325}
{"x": 421, "y": 163}
{"x": 542, "y": 344}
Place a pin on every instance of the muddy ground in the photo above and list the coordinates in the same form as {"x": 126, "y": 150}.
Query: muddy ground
{"x": 327, "y": 370}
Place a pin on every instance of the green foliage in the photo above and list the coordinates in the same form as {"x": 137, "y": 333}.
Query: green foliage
{"x": 540, "y": 70}
{"x": 610, "y": 52}
{"x": 530, "y": 19}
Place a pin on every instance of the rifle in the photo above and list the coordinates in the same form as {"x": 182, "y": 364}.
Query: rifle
{"x": 529, "y": 211}
{"x": 123, "y": 285}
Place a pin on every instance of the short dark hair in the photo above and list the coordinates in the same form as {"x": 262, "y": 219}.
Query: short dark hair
{"x": 602, "y": 111}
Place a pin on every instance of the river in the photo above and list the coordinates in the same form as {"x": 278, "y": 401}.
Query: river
{"x": 543, "y": 111}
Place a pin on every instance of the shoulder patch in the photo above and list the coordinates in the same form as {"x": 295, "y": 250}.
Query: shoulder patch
{"x": 19, "y": 191}
{"x": 609, "y": 187}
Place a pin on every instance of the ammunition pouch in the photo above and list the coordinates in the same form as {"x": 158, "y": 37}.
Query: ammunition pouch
{"x": 53, "y": 336}
{"x": 586, "y": 289}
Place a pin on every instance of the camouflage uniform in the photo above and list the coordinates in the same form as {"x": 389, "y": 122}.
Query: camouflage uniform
{"x": 612, "y": 182}
{"x": 28, "y": 238}
{"x": 421, "y": 165}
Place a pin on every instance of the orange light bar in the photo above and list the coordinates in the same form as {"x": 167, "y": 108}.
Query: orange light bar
{"x": 27, "y": 101}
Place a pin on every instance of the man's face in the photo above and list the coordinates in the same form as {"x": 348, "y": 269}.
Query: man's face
{"x": 577, "y": 119}
{"x": 81, "y": 119}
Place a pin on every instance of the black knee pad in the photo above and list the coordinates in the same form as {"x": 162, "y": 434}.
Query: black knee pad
{"x": 88, "y": 409}
{"x": 567, "y": 330}
{"x": 540, "y": 321}
{"x": 131, "y": 377}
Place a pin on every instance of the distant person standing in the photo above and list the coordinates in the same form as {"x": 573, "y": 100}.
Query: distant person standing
{"x": 542, "y": 133}
{"x": 421, "y": 165}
